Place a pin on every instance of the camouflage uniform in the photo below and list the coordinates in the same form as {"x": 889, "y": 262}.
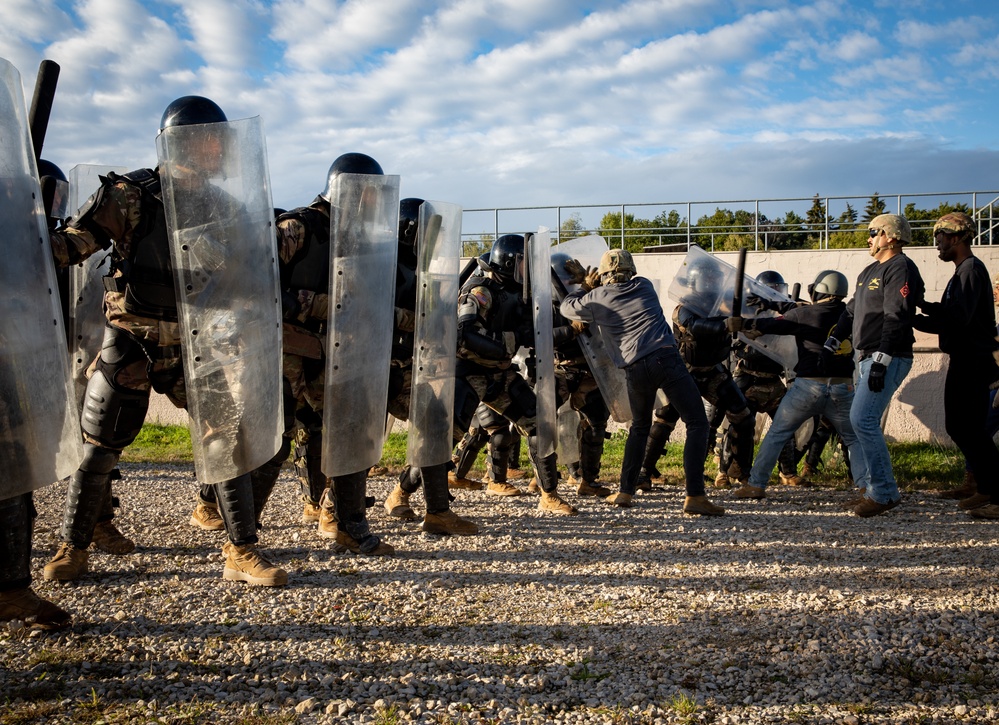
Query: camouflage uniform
{"x": 705, "y": 345}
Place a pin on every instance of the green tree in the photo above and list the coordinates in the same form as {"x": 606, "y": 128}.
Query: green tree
{"x": 875, "y": 206}
{"x": 848, "y": 217}
{"x": 475, "y": 247}
{"x": 572, "y": 228}
{"x": 638, "y": 233}
{"x": 922, "y": 220}
{"x": 816, "y": 219}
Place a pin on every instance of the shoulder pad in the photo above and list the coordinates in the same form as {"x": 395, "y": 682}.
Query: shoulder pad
{"x": 146, "y": 179}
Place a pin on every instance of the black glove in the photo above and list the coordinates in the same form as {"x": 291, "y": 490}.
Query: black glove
{"x": 876, "y": 378}
{"x": 289, "y": 303}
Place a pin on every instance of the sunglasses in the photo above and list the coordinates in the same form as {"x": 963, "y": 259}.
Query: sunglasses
{"x": 874, "y": 232}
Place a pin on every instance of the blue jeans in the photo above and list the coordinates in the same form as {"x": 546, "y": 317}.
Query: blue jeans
{"x": 664, "y": 370}
{"x": 865, "y": 414}
{"x": 805, "y": 398}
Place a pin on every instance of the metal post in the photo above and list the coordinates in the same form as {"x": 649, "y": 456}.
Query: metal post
{"x": 756, "y": 228}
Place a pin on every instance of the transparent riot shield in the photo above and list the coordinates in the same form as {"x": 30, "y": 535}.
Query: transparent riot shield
{"x": 539, "y": 258}
{"x": 364, "y": 245}
{"x": 706, "y": 284}
{"x": 431, "y": 406}
{"x": 86, "y": 283}
{"x": 610, "y": 378}
{"x": 40, "y": 438}
{"x": 222, "y": 244}
{"x": 568, "y": 433}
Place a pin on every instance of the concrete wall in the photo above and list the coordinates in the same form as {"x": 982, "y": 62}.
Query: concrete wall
{"x": 916, "y": 412}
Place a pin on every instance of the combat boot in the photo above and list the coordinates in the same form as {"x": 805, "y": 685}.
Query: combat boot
{"x": 749, "y": 491}
{"x": 700, "y": 506}
{"x": 206, "y": 516}
{"x": 108, "y": 539}
{"x": 624, "y": 500}
{"x": 460, "y": 482}
{"x": 722, "y": 480}
{"x": 792, "y": 479}
{"x": 968, "y": 489}
{"x": 448, "y": 522}
{"x": 310, "y": 511}
{"x": 68, "y": 564}
{"x": 371, "y": 546}
{"x": 553, "y": 503}
{"x": 502, "y": 488}
{"x": 35, "y": 612}
{"x": 515, "y": 474}
{"x": 247, "y": 564}
{"x": 644, "y": 482}
{"x": 397, "y": 504}
{"x": 592, "y": 488}
{"x": 533, "y": 486}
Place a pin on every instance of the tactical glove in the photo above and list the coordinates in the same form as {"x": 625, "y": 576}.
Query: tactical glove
{"x": 876, "y": 377}
{"x": 592, "y": 280}
{"x": 575, "y": 270}
{"x": 578, "y": 326}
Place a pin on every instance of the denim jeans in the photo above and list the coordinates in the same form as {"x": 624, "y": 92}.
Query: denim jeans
{"x": 664, "y": 370}
{"x": 805, "y": 398}
{"x": 865, "y": 415}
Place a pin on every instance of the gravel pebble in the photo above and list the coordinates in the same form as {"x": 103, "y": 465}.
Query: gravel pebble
{"x": 786, "y": 609}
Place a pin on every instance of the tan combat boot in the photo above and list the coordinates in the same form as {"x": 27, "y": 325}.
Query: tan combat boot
{"x": 310, "y": 511}
{"x": 700, "y": 506}
{"x": 35, "y": 612}
{"x": 624, "y": 500}
{"x": 68, "y": 564}
{"x": 466, "y": 484}
{"x": 515, "y": 474}
{"x": 345, "y": 542}
{"x": 792, "y": 480}
{"x": 749, "y": 491}
{"x": 502, "y": 488}
{"x": 533, "y": 486}
{"x": 397, "y": 505}
{"x": 247, "y": 564}
{"x": 448, "y": 522}
{"x": 592, "y": 488}
{"x": 108, "y": 539}
{"x": 722, "y": 480}
{"x": 206, "y": 516}
{"x": 555, "y": 504}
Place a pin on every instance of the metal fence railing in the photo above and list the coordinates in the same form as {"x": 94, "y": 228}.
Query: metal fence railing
{"x": 759, "y": 223}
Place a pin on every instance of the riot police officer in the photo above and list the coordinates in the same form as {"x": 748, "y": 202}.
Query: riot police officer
{"x": 705, "y": 345}
{"x": 759, "y": 377}
{"x": 439, "y": 518}
{"x": 142, "y": 348}
{"x": 493, "y": 323}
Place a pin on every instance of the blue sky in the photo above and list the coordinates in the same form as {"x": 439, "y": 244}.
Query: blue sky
{"x": 533, "y": 102}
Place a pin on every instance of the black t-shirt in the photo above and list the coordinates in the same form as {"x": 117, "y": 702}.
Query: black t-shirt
{"x": 811, "y": 325}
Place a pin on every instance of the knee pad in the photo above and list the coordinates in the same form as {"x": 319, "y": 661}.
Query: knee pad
{"x": 112, "y": 415}
{"x": 99, "y": 460}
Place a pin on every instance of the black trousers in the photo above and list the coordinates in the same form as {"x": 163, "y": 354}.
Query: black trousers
{"x": 966, "y": 407}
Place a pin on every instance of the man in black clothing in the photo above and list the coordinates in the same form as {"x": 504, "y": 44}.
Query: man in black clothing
{"x": 821, "y": 387}
{"x": 879, "y": 318}
{"x": 965, "y": 321}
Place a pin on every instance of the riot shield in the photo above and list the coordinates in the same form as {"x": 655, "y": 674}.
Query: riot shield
{"x": 363, "y": 248}
{"x": 40, "y": 438}
{"x": 539, "y": 259}
{"x": 568, "y": 433}
{"x": 219, "y": 216}
{"x": 610, "y": 378}
{"x": 86, "y": 283}
{"x": 706, "y": 284}
{"x": 431, "y": 406}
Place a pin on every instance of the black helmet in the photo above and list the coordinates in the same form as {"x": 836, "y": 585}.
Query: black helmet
{"x": 47, "y": 168}
{"x": 773, "y": 280}
{"x": 704, "y": 276}
{"x": 350, "y": 163}
{"x": 191, "y": 110}
{"x": 409, "y": 217}
{"x": 506, "y": 257}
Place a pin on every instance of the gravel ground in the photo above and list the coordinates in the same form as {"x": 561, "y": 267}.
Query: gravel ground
{"x": 783, "y": 610}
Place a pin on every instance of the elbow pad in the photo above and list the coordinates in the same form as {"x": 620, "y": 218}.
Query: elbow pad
{"x": 708, "y": 328}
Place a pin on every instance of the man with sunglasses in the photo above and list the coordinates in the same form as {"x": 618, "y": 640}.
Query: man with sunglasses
{"x": 965, "y": 321}
{"x": 880, "y": 317}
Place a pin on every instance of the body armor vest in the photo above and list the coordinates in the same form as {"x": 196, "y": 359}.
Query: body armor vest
{"x": 704, "y": 351}
{"x": 311, "y": 268}
{"x": 148, "y": 273}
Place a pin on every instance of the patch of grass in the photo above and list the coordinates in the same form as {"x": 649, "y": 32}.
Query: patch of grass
{"x": 683, "y": 705}
{"x": 160, "y": 444}
{"x": 919, "y": 465}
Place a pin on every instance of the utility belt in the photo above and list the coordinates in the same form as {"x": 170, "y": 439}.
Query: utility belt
{"x": 758, "y": 374}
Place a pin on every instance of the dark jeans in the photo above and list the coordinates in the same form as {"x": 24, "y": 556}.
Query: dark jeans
{"x": 966, "y": 410}
{"x": 664, "y": 370}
